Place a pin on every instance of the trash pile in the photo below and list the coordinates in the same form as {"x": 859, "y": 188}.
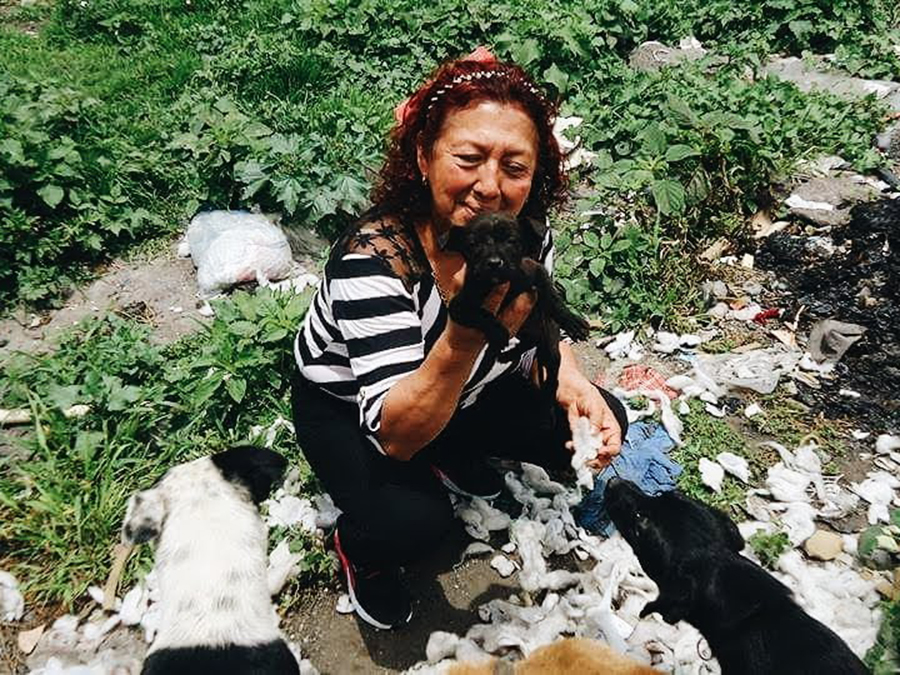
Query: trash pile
{"x": 604, "y": 599}
{"x": 851, "y": 279}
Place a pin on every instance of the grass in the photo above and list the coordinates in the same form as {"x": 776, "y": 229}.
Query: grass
{"x": 706, "y": 437}
{"x": 63, "y": 490}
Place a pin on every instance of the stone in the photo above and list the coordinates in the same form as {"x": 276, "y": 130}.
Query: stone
{"x": 812, "y": 199}
{"x": 823, "y": 545}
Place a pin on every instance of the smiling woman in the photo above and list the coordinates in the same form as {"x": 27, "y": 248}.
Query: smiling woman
{"x": 394, "y": 402}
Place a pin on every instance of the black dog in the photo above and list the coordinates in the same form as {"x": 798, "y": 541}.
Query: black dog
{"x": 498, "y": 248}
{"x": 749, "y": 618}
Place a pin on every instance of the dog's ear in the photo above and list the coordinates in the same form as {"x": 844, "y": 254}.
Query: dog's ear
{"x": 257, "y": 469}
{"x": 738, "y": 589}
{"x": 453, "y": 239}
{"x": 144, "y": 517}
{"x": 533, "y": 231}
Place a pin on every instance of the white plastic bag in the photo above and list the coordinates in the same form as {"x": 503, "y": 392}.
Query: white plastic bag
{"x": 758, "y": 369}
{"x": 231, "y": 247}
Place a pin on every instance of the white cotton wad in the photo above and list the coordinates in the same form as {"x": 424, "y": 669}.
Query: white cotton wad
{"x": 12, "y": 604}
{"x": 711, "y": 474}
{"x": 735, "y": 465}
{"x": 586, "y": 443}
{"x": 878, "y": 490}
{"x": 504, "y": 566}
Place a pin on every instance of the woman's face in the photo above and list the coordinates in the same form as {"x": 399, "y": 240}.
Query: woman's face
{"x": 484, "y": 159}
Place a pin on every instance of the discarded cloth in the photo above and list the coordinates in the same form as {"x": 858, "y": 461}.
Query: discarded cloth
{"x": 829, "y": 339}
{"x": 644, "y": 461}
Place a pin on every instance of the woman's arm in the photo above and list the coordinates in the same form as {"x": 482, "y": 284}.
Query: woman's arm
{"x": 419, "y": 406}
{"x": 580, "y": 398}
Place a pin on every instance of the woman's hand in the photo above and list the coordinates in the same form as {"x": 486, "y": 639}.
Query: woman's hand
{"x": 580, "y": 398}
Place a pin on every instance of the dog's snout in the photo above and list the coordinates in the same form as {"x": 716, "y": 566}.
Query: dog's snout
{"x": 494, "y": 262}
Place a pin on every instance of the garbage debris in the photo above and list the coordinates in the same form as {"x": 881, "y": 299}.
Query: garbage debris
{"x": 638, "y": 376}
{"x": 759, "y": 369}
{"x": 735, "y": 465}
{"x": 232, "y": 247}
{"x": 830, "y": 339}
{"x": 711, "y": 474}
{"x": 12, "y": 604}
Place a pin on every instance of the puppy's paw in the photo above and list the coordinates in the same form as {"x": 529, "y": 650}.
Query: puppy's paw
{"x": 144, "y": 517}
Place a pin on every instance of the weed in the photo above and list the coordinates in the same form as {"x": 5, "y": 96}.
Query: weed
{"x": 707, "y": 436}
{"x": 769, "y": 547}
{"x": 62, "y": 497}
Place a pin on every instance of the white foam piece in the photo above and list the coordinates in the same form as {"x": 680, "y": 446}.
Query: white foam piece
{"x": 504, "y": 566}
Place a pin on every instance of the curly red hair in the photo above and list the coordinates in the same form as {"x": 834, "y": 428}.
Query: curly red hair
{"x": 455, "y": 85}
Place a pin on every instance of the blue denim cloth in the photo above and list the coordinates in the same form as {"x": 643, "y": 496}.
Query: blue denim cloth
{"x": 644, "y": 461}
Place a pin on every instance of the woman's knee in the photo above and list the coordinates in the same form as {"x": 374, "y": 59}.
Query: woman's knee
{"x": 617, "y": 408}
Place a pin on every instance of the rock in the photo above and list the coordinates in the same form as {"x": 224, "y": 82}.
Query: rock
{"x": 28, "y": 639}
{"x": 807, "y": 77}
{"x": 888, "y": 141}
{"x": 827, "y": 201}
{"x": 823, "y": 545}
{"x": 886, "y": 589}
{"x": 652, "y": 55}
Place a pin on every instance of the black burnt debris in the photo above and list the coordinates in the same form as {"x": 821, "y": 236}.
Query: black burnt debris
{"x": 853, "y": 277}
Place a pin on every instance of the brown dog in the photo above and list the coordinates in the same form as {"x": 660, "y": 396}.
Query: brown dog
{"x": 570, "y": 656}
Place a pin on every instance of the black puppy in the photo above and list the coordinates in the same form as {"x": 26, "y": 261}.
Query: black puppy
{"x": 498, "y": 248}
{"x": 749, "y": 618}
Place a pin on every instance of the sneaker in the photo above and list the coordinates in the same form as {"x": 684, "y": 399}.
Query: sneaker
{"x": 471, "y": 479}
{"x": 377, "y": 595}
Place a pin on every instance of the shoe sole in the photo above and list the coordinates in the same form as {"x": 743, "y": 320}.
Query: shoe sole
{"x": 453, "y": 487}
{"x": 357, "y": 607}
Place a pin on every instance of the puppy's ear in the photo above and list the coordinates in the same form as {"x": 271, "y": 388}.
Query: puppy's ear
{"x": 144, "y": 517}
{"x": 533, "y": 232}
{"x": 679, "y": 594}
{"x": 454, "y": 239}
{"x": 257, "y": 469}
{"x": 733, "y": 539}
{"x": 739, "y": 589}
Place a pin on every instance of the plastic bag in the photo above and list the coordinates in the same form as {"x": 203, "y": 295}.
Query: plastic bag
{"x": 758, "y": 370}
{"x": 231, "y": 247}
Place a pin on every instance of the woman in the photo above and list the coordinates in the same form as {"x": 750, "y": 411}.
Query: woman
{"x": 394, "y": 402}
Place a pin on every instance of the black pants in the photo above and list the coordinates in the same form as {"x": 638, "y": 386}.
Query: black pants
{"x": 395, "y": 511}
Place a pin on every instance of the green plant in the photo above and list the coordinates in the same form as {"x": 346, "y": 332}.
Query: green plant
{"x": 62, "y": 494}
{"x": 769, "y": 547}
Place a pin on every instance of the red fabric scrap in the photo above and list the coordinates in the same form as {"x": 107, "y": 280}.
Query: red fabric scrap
{"x": 766, "y": 314}
{"x": 636, "y": 376}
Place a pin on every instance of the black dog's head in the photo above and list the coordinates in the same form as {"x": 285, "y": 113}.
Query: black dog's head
{"x": 493, "y": 245}
{"x": 691, "y": 551}
{"x": 667, "y": 528}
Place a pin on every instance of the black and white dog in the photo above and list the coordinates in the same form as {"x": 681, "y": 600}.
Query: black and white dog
{"x": 749, "y": 618}
{"x": 501, "y": 248}
{"x": 216, "y": 612}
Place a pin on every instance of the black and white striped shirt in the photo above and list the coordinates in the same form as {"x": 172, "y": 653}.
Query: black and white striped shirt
{"x": 375, "y": 316}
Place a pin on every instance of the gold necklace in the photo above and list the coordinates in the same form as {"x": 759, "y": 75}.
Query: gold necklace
{"x": 437, "y": 284}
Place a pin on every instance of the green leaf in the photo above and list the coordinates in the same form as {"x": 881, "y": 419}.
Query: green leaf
{"x": 654, "y": 140}
{"x": 676, "y": 153}
{"x": 524, "y": 53}
{"x": 121, "y": 397}
{"x": 868, "y": 541}
{"x": 64, "y": 396}
{"x": 557, "y": 78}
{"x": 591, "y": 239}
{"x": 13, "y": 149}
{"x": 52, "y": 195}
{"x": 597, "y": 266}
{"x": 668, "y": 195}
{"x": 236, "y": 387}
{"x": 243, "y": 328}
{"x": 681, "y": 112}
{"x": 274, "y": 335}
{"x": 289, "y": 194}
